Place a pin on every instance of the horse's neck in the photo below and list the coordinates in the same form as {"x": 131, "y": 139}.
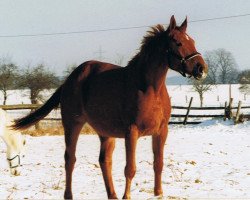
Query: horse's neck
{"x": 2, "y": 122}
{"x": 151, "y": 73}
{"x": 5, "y": 121}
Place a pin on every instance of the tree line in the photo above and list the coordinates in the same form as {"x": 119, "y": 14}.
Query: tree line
{"x": 35, "y": 79}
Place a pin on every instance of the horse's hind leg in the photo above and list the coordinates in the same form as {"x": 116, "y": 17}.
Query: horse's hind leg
{"x": 130, "y": 169}
{"x": 105, "y": 160}
{"x": 158, "y": 150}
{"x": 71, "y": 131}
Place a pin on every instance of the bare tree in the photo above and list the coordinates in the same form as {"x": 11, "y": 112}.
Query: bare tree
{"x": 211, "y": 60}
{"x": 227, "y": 66}
{"x": 8, "y": 73}
{"x": 201, "y": 86}
{"x": 222, "y": 67}
{"x": 37, "y": 79}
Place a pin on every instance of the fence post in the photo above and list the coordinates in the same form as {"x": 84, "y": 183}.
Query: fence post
{"x": 225, "y": 111}
{"x": 188, "y": 109}
{"x": 230, "y": 114}
{"x": 237, "y": 113}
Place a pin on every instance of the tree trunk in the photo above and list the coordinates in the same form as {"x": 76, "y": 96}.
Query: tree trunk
{"x": 4, "y": 97}
{"x": 201, "y": 99}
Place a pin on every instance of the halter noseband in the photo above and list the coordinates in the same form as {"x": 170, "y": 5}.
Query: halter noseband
{"x": 183, "y": 60}
{"x": 15, "y": 166}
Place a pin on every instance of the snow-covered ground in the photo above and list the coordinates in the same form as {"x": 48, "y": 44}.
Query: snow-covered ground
{"x": 210, "y": 160}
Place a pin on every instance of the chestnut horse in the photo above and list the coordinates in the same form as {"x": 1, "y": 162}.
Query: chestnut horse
{"x": 123, "y": 102}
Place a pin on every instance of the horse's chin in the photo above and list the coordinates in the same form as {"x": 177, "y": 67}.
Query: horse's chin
{"x": 200, "y": 77}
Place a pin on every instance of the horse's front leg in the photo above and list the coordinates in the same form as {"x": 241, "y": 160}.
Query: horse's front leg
{"x": 158, "y": 150}
{"x": 105, "y": 160}
{"x": 130, "y": 143}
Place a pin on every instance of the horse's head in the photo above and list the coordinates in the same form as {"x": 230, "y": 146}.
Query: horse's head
{"x": 15, "y": 153}
{"x": 182, "y": 54}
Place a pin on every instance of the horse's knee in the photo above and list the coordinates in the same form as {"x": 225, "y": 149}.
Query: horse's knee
{"x": 107, "y": 148}
{"x": 104, "y": 161}
{"x": 130, "y": 171}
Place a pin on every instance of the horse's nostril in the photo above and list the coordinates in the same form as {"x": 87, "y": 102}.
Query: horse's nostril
{"x": 199, "y": 68}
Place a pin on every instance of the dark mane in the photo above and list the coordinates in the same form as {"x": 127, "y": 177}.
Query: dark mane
{"x": 149, "y": 43}
{"x": 155, "y": 32}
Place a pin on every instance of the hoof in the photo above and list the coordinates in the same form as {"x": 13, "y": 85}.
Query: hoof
{"x": 112, "y": 196}
{"x": 158, "y": 193}
{"x": 126, "y": 196}
{"x": 68, "y": 195}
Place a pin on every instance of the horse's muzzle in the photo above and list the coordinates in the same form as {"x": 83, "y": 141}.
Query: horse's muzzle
{"x": 200, "y": 71}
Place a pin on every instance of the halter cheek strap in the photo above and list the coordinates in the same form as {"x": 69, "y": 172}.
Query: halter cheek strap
{"x": 183, "y": 60}
{"x": 10, "y": 159}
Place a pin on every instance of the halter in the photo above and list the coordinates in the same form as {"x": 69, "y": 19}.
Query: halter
{"x": 19, "y": 162}
{"x": 183, "y": 60}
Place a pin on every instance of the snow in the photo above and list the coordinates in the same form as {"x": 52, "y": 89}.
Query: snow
{"x": 210, "y": 160}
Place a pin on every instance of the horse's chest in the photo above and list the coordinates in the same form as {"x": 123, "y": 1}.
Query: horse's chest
{"x": 151, "y": 113}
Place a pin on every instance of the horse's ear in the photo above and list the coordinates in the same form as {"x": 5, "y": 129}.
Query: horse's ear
{"x": 172, "y": 24}
{"x": 183, "y": 26}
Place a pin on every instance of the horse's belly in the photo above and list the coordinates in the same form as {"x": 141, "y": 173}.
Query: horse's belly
{"x": 107, "y": 119}
{"x": 107, "y": 128}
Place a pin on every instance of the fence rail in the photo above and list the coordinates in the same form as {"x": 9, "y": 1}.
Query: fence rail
{"x": 207, "y": 108}
{"x": 185, "y": 108}
{"x": 20, "y": 106}
{"x": 227, "y": 113}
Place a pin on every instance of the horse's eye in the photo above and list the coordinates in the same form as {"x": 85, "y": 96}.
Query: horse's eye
{"x": 179, "y": 44}
{"x": 24, "y": 142}
{"x": 175, "y": 41}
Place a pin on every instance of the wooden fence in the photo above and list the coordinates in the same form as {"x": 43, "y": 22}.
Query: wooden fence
{"x": 227, "y": 111}
{"x": 182, "y": 118}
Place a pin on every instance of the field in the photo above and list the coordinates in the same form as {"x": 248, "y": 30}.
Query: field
{"x": 210, "y": 160}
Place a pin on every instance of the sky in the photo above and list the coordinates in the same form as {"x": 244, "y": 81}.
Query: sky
{"x": 57, "y": 51}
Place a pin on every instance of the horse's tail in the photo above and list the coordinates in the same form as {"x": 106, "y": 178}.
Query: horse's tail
{"x": 40, "y": 113}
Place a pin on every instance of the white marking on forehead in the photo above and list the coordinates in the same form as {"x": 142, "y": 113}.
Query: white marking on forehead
{"x": 187, "y": 37}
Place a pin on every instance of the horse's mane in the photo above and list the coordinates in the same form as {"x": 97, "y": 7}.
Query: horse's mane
{"x": 149, "y": 43}
{"x": 155, "y": 32}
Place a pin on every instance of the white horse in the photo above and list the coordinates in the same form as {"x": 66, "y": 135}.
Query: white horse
{"x": 14, "y": 141}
